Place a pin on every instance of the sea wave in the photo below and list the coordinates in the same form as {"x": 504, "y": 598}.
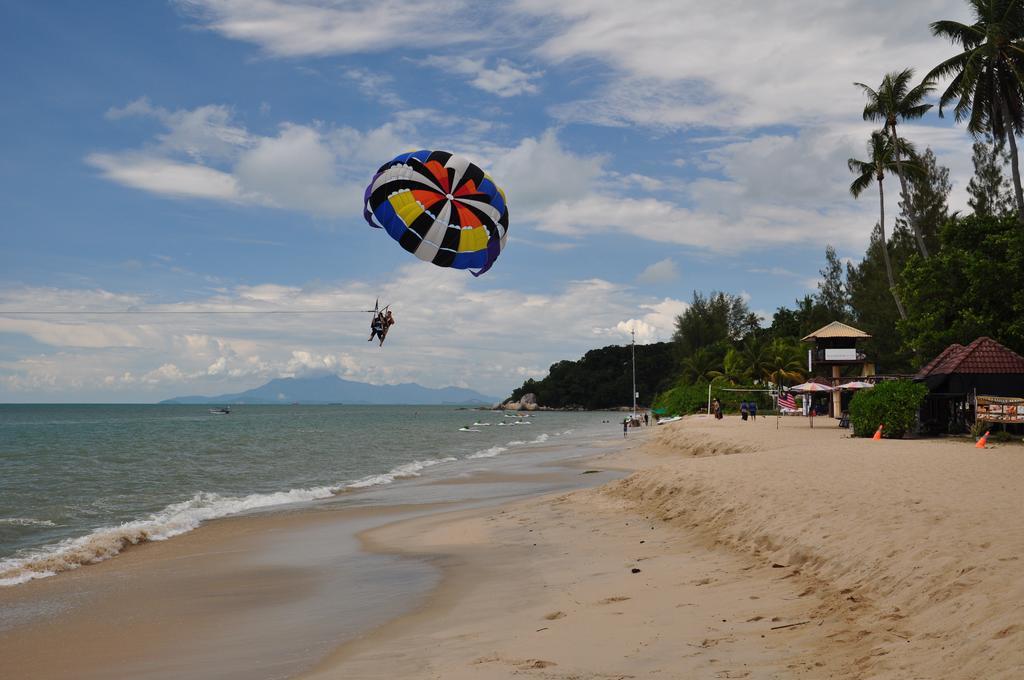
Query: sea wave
{"x": 401, "y": 472}
{"x": 488, "y": 453}
{"x": 26, "y": 522}
{"x": 173, "y": 520}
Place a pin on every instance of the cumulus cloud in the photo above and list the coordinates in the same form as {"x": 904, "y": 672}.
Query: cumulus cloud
{"x": 203, "y": 153}
{"x": 663, "y": 271}
{"x": 503, "y": 79}
{"x": 294, "y": 28}
{"x": 672, "y": 65}
{"x": 502, "y": 335}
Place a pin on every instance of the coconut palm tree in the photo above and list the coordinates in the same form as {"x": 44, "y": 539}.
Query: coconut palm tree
{"x": 700, "y": 366}
{"x": 882, "y": 156}
{"x": 733, "y": 370}
{"x": 784, "y": 362}
{"x": 987, "y": 75}
{"x": 894, "y": 101}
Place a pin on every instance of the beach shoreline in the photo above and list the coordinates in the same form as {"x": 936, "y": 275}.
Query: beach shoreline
{"x": 761, "y": 552}
{"x": 703, "y": 548}
{"x": 253, "y": 595}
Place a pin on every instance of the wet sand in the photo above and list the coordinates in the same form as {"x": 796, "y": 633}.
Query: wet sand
{"x": 761, "y": 553}
{"x": 735, "y": 550}
{"x": 252, "y": 596}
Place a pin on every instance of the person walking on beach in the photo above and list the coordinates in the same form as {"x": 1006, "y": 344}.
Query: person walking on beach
{"x": 625, "y": 426}
{"x": 716, "y": 408}
{"x": 646, "y": 421}
{"x": 744, "y": 411}
{"x": 753, "y": 411}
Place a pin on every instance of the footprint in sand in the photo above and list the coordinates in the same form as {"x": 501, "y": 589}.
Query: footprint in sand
{"x": 703, "y": 581}
{"x": 616, "y": 598}
{"x": 1007, "y": 632}
{"x": 554, "y": 615}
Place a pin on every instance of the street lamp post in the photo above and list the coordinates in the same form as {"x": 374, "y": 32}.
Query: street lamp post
{"x": 633, "y": 350}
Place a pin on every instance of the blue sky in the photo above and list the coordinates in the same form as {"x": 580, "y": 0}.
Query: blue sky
{"x": 211, "y": 154}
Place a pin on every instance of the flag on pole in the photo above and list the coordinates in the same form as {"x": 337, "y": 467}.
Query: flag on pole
{"x": 787, "y": 400}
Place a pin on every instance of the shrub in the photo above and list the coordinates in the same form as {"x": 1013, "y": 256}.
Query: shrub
{"x": 893, "y": 403}
{"x": 683, "y": 399}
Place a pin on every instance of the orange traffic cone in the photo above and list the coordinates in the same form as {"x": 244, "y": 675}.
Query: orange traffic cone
{"x": 878, "y": 433}
{"x": 984, "y": 440}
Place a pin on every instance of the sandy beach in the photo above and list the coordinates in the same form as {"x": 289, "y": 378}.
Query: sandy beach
{"x": 723, "y": 550}
{"x": 736, "y": 550}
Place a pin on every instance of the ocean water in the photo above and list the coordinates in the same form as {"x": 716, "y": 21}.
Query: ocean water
{"x": 79, "y": 483}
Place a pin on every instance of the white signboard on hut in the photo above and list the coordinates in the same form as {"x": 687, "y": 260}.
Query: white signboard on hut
{"x": 840, "y": 355}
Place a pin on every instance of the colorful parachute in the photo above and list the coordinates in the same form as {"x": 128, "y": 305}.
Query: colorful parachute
{"x": 441, "y": 208}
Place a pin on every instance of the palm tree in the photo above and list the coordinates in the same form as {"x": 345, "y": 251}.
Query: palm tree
{"x": 894, "y": 101}
{"x": 754, "y": 355}
{"x": 733, "y": 370}
{"x": 699, "y": 366}
{"x": 784, "y": 362}
{"x": 882, "y": 158}
{"x": 987, "y": 82}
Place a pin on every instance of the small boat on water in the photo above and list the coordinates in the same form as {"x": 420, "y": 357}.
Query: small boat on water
{"x": 223, "y": 411}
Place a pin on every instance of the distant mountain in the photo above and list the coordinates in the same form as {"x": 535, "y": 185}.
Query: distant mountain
{"x": 330, "y": 389}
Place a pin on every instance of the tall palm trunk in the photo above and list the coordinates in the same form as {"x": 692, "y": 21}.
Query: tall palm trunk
{"x": 1014, "y": 163}
{"x": 912, "y": 219}
{"x": 885, "y": 251}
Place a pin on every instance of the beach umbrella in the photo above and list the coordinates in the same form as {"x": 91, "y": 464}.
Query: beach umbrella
{"x": 856, "y": 385}
{"x": 810, "y": 387}
{"x": 441, "y": 207}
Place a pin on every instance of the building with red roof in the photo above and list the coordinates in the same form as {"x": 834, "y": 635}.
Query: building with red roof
{"x": 961, "y": 372}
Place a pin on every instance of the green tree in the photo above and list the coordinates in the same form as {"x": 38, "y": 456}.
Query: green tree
{"x": 734, "y": 369}
{"x": 832, "y": 293}
{"x": 882, "y": 156}
{"x": 785, "y": 361}
{"x": 986, "y": 76}
{"x": 808, "y": 316}
{"x": 871, "y": 300}
{"x": 701, "y": 366}
{"x": 928, "y": 207}
{"x": 991, "y": 194}
{"x": 718, "y": 318}
{"x": 971, "y": 288}
{"x": 894, "y": 101}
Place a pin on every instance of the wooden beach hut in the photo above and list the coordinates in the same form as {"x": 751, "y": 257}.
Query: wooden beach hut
{"x": 982, "y": 380}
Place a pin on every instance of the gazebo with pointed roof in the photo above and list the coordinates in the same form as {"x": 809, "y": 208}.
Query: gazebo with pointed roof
{"x": 836, "y": 329}
{"x": 835, "y": 347}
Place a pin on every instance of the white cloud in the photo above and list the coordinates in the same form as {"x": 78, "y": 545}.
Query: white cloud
{"x": 734, "y": 63}
{"x": 449, "y": 332}
{"x": 503, "y": 80}
{"x": 294, "y": 28}
{"x": 164, "y": 176}
{"x": 204, "y": 154}
{"x": 375, "y": 86}
{"x": 662, "y": 271}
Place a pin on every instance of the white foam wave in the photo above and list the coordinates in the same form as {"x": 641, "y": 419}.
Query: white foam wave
{"x": 173, "y": 520}
{"x": 26, "y": 522}
{"x": 541, "y": 439}
{"x": 488, "y": 453}
{"x": 401, "y": 472}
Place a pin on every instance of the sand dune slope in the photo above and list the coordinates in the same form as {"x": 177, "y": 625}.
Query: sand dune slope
{"x": 917, "y": 546}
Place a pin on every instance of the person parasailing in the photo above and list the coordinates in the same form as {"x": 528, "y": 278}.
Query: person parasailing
{"x": 382, "y": 322}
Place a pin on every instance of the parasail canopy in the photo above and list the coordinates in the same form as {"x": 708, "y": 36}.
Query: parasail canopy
{"x": 440, "y": 207}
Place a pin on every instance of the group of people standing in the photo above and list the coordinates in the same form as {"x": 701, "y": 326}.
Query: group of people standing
{"x": 748, "y": 410}
{"x": 635, "y": 421}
